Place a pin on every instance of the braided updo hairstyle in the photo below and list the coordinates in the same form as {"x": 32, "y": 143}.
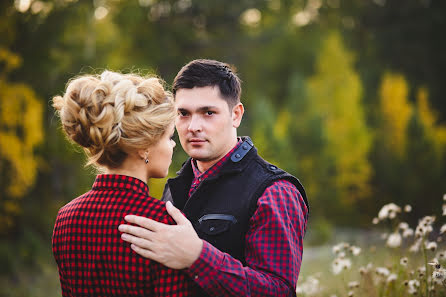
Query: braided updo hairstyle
{"x": 113, "y": 114}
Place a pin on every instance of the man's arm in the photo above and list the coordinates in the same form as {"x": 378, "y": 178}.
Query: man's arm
{"x": 273, "y": 247}
{"x": 273, "y": 250}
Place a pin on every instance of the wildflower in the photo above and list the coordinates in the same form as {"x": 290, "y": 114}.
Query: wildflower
{"x": 443, "y": 229}
{"x": 421, "y": 271}
{"x": 392, "y": 277}
{"x": 408, "y": 232}
{"x": 444, "y": 197}
{"x": 407, "y": 208}
{"x": 340, "y": 264}
{"x": 338, "y": 248}
{"x": 375, "y": 221}
{"x": 382, "y": 271}
{"x": 444, "y": 209}
{"x": 350, "y": 294}
{"x": 435, "y": 263}
{"x": 404, "y": 261}
{"x": 415, "y": 246}
{"x": 394, "y": 240}
{"x": 403, "y": 226}
{"x": 309, "y": 287}
{"x": 355, "y": 250}
{"x": 439, "y": 275}
{"x": 431, "y": 245}
{"x": 413, "y": 286}
{"x": 364, "y": 270}
{"x": 441, "y": 255}
{"x": 389, "y": 211}
{"x": 353, "y": 285}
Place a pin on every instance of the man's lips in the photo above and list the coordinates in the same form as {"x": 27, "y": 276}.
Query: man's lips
{"x": 196, "y": 140}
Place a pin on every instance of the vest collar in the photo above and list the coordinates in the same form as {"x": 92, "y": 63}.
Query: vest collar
{"x": 236, "y": 163}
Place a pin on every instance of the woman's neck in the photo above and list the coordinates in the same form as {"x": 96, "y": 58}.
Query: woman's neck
{"x": 129, "y": 168}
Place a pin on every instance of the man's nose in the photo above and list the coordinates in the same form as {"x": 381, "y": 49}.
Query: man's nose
{"x": 194, "y": 124}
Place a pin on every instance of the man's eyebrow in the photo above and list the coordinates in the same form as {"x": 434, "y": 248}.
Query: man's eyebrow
{"x": 200, "y": 109}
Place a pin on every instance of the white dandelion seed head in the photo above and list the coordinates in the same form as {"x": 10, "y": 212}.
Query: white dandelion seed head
{"x": 353, "y": 285}
{"x": 350, "y": 294}
{"x": 439, "y": 275}
{"x": 340, "y": 264}
{"x": 408, "y": 233}
{"x": 355, "y": 250}
{"x": 389, "y": 211}
{"x": 441, "y": 255}
{"x": 375, "y": 221}
{"x": 407, "y": 208}
{"x": 443, "y": 229}
{"x": 394, "y": 240}
{"x": 404, "y": 261}
{"x": 432, "y": 246}
{"x": 444, "y": 210}
{"x": 391, "y": 278}
{"x": 382, "y": 271}
{"x": 403, "y": 226}
{"x": 415, "y": 246}
{"x": 338, "y": 248}
{"x": 444, "y": 197}
{"x": 413, "y": 286}
{"x": 310, "y": 287}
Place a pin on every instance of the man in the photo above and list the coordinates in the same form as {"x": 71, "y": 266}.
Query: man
{"x": 245, "y": 218}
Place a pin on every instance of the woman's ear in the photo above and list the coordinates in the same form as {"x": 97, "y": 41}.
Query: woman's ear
{"x": 237, "y": 114}
{"x": 143, "y": 154}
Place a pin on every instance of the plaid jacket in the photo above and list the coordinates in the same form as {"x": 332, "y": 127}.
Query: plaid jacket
{"x": 91, "y": 257}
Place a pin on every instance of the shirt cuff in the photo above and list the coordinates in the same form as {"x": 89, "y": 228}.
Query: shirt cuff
{"x": 206, "y": 265}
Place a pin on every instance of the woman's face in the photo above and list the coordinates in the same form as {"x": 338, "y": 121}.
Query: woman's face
{"x": 160, "y": 155}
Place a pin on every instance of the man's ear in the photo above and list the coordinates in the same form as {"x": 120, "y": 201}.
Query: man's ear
{"x": 237, "y": 114}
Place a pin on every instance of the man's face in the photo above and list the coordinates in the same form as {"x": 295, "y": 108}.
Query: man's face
{"x": 205, "y": 124}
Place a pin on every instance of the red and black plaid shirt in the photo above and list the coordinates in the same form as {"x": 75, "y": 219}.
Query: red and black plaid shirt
{"x": 273, "y": 245}
{"x": 91, "y": 257}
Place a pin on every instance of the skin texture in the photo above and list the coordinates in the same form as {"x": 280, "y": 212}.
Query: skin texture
{"x": 207, "y": 128}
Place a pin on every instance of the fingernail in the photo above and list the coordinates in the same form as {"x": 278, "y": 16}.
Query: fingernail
{"x": 168, "y": 203}
{"x": 124, "y": 236}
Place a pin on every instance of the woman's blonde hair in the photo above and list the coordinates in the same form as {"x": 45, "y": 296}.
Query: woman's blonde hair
{"x": 113, "y": 114}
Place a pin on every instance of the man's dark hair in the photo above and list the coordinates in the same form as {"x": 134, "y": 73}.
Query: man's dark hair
{"x": 204, "y": 73}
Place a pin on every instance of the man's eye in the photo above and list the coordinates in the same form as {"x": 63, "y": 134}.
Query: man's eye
{"x": 182, "y": 113}
{"x": 209, "y": 112}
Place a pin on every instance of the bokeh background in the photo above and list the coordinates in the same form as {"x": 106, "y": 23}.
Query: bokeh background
{"x": 349, "y": 96}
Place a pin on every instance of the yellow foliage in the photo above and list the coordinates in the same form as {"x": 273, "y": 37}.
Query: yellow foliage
{"x": 429, "y": 119}
{"x": 395, "y": 110}
{"x": 21, "y": 131}
{"x": 282, "y": 123}
{"x": 335, "y": 94}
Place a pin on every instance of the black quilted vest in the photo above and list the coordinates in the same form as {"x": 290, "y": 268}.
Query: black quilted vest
{"x": 221, "y": 206}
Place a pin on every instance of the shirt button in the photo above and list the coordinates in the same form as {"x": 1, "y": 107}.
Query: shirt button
{"x": 237, "y": 155}
{"x": 199, "y": 179}
{"x": 196, "y": 277}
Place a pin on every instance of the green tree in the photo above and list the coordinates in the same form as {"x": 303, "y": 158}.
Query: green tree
{"x": 334, "y": 95}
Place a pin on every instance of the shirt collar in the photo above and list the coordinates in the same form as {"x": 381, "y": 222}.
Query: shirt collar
{"x": 214, "y": 168}
{"x": 120, "y": 182}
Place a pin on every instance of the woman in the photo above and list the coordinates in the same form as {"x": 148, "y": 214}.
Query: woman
{"x": 125, "y": 125}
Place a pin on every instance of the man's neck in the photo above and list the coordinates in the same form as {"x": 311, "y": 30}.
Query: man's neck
{"x": 205, "y": 165}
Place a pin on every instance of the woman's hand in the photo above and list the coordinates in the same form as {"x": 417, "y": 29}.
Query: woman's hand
{"x": 175, "y": 246}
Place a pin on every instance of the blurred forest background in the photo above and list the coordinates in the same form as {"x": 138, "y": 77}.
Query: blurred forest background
{"x": 349, "y": 96}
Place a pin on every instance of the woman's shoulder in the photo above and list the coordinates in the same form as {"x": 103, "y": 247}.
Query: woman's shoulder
{"x": 154, "y": 209}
